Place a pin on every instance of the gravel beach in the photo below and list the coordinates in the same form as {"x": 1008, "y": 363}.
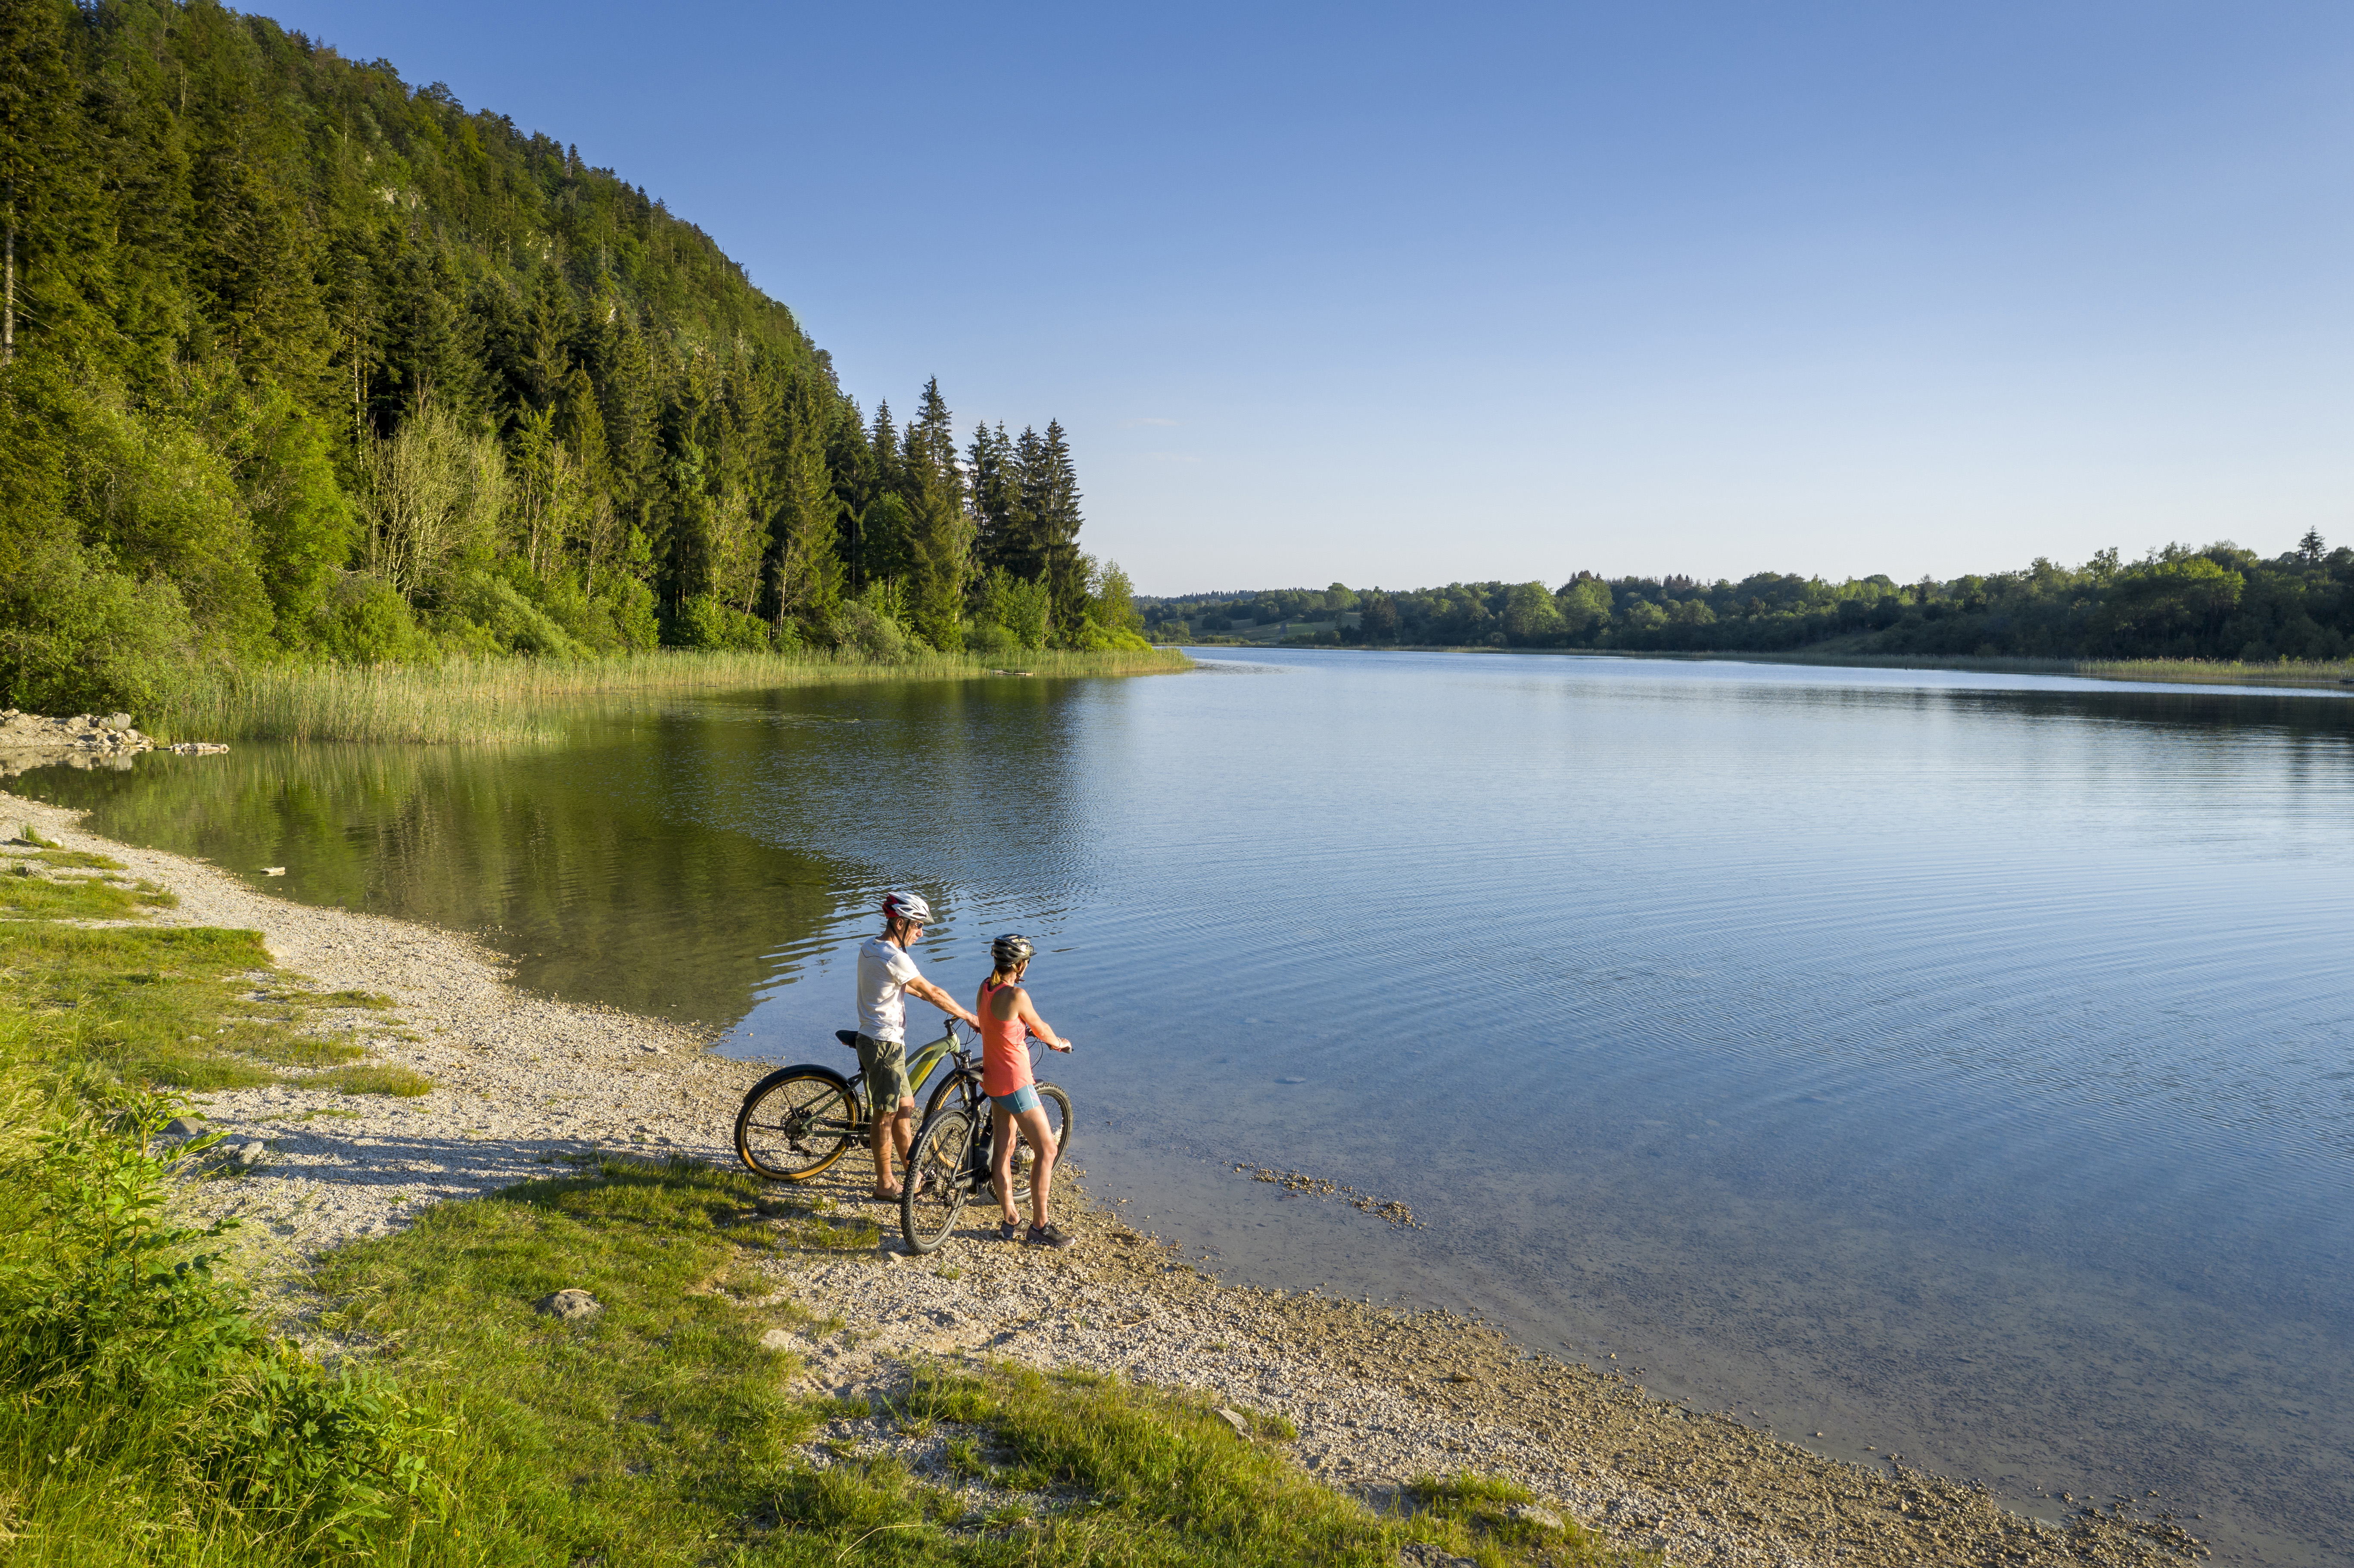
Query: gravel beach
{"x": 522, "y": 1083}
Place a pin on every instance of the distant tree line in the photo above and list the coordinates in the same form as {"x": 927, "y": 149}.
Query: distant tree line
{"x": 299, "y": 362}
{"x": 2219, "y": 602}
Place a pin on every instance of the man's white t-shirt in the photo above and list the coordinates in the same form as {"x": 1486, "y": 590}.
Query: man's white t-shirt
{"x": 884, "y": 971}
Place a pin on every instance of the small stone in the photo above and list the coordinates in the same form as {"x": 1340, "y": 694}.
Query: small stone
{"x": 185, "y": 1126}
{"x": 1423, "y": 1555}
{"x": 776, "y": 1339}
{"x": 569, "y": 1304}
{"x": 653, "y": 1049}
{"x": 1543, "y": 1518}
{"x": 118, "y": 721}
{"x": 252, "y": 1153}
{"x": 273, "y": 871}
{"x": 1237, "y": 1420}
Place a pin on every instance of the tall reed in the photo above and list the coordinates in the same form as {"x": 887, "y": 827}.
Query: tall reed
{"x": 523, "y": 699}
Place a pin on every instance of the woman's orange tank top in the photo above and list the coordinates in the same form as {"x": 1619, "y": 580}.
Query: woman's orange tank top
{"x": 1004, "y": 1046}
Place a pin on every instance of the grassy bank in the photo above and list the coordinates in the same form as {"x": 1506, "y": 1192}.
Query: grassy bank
{"x": 149, "y": 1416}
{"x": 522, "y": 699}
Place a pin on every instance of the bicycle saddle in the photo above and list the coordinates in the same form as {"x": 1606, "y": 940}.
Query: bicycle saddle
{"x": 848, "y": 1037}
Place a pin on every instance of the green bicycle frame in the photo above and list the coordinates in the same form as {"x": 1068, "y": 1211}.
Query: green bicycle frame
{"x": 920, "y": 1068}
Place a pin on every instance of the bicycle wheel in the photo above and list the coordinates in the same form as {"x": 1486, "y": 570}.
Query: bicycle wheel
{"x": 964, "y": 1085}
{"x": 939, "y": 1178}
{"x": 797, "y": 1122}
{"x": 1057, "y": 1106}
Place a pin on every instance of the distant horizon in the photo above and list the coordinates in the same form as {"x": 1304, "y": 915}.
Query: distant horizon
{"x": 1556, "y": 579}
{"x": 1385, "y": 291}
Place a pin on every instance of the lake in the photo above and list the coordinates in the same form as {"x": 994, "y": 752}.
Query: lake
{"x": 1946, "y": 1065}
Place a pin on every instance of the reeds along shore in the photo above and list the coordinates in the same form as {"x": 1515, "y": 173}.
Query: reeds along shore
{"x": 522, "y": 699}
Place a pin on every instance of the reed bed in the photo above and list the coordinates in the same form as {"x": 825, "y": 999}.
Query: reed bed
{"x": 524, "y": 699}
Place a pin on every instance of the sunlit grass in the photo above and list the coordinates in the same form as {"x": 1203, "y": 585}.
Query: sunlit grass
{"x": 524, "y": 699}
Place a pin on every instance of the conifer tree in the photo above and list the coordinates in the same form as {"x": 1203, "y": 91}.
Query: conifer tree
{"x": 940, "y": 532}
{"x": 805, "y": 570}
{"x": 1056, "y": 530}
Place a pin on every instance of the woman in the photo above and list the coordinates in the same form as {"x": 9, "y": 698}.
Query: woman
{"x": 1006, "y": 1017}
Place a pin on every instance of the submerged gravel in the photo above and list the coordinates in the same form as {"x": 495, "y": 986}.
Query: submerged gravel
{"x": 1379, "y": 1397}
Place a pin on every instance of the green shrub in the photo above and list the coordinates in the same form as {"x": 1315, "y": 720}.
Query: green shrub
{"x": 481, "y": 613}
{"x": 363, "y": 620}
{"x": 111, "y": 1295}
{"x": 987, "y": 637}
{"x": 860, "y": 630}
{"x": 77, "y": 636}
{"x": 705, "y": 622}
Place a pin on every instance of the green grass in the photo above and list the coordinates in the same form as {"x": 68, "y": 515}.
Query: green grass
{"x": 373, "y": 1078}
{"x": 524, "y": 699}
{"x": 658, "y": 1432}
{"x": 174, "y": 1007}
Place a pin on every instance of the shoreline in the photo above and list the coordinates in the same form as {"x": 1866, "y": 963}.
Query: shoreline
{"x": 2335, "y": 679}
{"x": 524, "y": 1082}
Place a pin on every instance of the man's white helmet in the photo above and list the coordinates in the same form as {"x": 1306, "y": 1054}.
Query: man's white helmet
{"x": 906, "y": 906}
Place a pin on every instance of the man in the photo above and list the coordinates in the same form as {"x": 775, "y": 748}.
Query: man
{"x": 887, "y": 976}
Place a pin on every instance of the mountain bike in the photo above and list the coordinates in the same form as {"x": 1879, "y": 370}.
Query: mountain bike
{"x": 799, "y": 1121}
{"x": 951, "y": 1161}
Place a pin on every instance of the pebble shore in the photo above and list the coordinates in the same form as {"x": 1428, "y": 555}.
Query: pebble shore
{"x": 1379, "y": 1398}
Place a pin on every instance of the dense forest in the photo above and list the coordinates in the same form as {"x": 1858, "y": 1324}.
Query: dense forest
{"x": 298, "y": 362}
{"x": 2220, "y": 603}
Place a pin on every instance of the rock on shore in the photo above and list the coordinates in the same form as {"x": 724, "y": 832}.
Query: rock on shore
{"x": 82, "y": 740}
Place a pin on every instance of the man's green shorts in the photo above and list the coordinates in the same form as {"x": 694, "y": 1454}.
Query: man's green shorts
{"x": 884, "y": 1062}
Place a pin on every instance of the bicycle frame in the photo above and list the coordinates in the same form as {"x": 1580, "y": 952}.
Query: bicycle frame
{"x": 920, "y": 1068}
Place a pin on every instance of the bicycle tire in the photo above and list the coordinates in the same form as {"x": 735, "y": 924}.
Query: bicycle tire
{"x": 796, "y": 1122}
{"x": 937, "y": 1180}
{"x": 956, "y": 1078}
{"x": 1057, "y": 1106}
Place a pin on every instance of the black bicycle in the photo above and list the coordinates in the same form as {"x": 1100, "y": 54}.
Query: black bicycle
{"x": 799, "y": 1121}
{"x": 950, "y": 1161}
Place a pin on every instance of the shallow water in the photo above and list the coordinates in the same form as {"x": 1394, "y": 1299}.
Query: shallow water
{"x": 1961, "y": 1066}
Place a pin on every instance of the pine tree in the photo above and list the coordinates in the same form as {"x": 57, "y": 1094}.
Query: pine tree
{"x": 1003, "y": 543}
{"x": 939, "y": 532}
{"x": 1056, "y": 530}
{"x": 631, "y": 407}
{"x": 805, "y": 570}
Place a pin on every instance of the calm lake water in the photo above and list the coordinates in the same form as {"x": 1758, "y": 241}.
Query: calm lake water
{"x": 1961, "y": 1066}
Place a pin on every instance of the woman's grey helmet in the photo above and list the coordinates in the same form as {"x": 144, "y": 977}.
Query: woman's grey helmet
{"x": 1012, "y": 950}
{"x": 906, "y": 906}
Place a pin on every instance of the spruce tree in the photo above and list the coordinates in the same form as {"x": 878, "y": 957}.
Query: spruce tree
{"x": 1056, "y": 530}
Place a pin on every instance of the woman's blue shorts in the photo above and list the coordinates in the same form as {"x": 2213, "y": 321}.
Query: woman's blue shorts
{"x": 1024, "y": 1099}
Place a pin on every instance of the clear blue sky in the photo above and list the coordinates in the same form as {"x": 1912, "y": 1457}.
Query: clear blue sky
{"x": 1405, "y": 295}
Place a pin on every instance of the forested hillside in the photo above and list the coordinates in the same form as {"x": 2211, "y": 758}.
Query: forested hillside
{"x": 2220, "y": 603}
{"x": 299, "y": 363}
